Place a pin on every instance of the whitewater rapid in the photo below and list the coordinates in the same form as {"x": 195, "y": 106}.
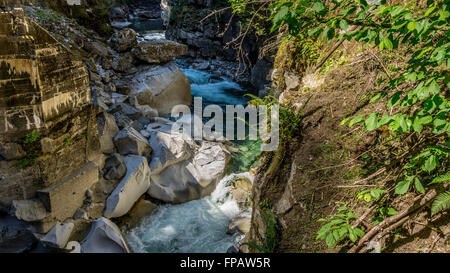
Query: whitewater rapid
{"x": 195, "y": 227}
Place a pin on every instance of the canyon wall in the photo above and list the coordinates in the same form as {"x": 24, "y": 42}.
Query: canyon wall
{"x": 48, "y": 128}
{"x": 206, "y": 38}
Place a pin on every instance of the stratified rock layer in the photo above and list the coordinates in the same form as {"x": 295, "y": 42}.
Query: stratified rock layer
{"x": 48, "y": 126}
{"x": 40, "y": 79}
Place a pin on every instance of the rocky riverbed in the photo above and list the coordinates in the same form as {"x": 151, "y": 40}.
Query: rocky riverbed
{"x": 83, "y": 172}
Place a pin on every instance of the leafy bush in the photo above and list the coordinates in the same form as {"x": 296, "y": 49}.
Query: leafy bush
{"x": 416, "y": 98}
{"x": 338, "y": 227}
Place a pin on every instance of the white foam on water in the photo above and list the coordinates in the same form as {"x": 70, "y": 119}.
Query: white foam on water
{"x": 195, "y": 227}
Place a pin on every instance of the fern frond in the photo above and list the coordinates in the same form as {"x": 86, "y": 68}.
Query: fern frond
{"x": 443, "y": 178}
{"x": 442, "y": 202}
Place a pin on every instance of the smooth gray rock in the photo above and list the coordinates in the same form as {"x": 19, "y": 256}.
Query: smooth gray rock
{"x": 130, "y": 189}
{"x": 191, "y": 179}
{"x": 59, "y": 235}
{"x": 168, "y": 148}
{"x": 129, "y": 141}
{"x": 104, "y": 237}
{"x": 161, "y": 88}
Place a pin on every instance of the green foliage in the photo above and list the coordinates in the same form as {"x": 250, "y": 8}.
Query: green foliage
{"x": 289, "y": 121}
{"x": 67, "y": 140}
{"x": 23, "y": 163}
{"x": 295, "y": 53}
{"x": 371, "y": 195}
{"x": 442, "y": 202}
{"x": 338, "y": 227}
{"x": 382, "y": 212}
{"x": 421, "y": 167}
{"x": 252, "y": 16}
{"x": 32, "y": 137}
{"x": 418, "y": 101}
{"x": 31, "y": 145}
{"x": 271, "y": 237}
{"x": 265, "y": 203}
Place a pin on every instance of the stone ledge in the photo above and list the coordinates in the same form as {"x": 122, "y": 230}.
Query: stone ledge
{"x": 63, "y": 199}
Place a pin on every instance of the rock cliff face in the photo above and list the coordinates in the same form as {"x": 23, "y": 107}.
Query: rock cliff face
{"x": 48, "y": 129}
{"x": 206, "y": 39}
{"x": 214, "y": 39}
{"x": 41, "y": 79}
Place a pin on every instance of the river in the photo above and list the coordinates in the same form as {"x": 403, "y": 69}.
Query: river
{"x": 200, "y": 226}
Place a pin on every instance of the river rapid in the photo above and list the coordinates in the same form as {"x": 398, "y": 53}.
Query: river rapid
{"x": 200, "y": 226}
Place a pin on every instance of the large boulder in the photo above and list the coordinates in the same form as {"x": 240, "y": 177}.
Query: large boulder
{"x": 161, "y": 88}
{"x": 191, "y": 179}
{"x": 107, "y": 129}
{"x": 157, "y": 51}
{"x": 130, "y": 189}
{"x": 123, "y": 40}
{"x": 168, "y": 148}
{"x": 104, "y": 237}
{"x": 241, "y": 189}
{"x": 130, "y": 141}
{"x": 59, "y": 235}
{"x": 28, "y": 210}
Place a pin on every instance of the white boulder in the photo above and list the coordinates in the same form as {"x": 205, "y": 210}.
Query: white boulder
{"x": 59, "y": 235}
{"x": 191, "y": 179}
{"x": 157, "y": 51}
{"x": 161, "y": 88}
{"x": 135, "y": 183}
{"x": 168, "y": 148}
